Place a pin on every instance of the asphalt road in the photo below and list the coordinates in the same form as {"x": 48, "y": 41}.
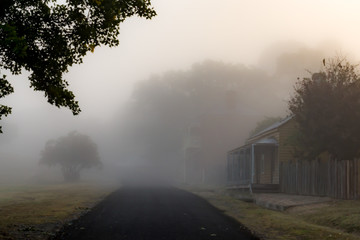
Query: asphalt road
{"x": 154, "y": 214}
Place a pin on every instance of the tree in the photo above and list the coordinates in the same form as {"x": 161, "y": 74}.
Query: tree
{"x": 266, "y": 122}
{"x": 46, "y": 37}
{"x": 327, "y": 110}
{"x": 73, "y": 153}
{"x": 222, "y": 99}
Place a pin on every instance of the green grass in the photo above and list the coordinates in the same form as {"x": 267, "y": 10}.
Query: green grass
{"x": 33, "y": 211}
{"x": 338, "y": 221}
{"x": 37, "y": 207}
{"x": 343, "y": 215}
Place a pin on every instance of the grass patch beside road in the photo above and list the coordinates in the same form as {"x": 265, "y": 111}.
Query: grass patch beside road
{"x": 343, "y": 215}
{"x": 322, "y": 222}
{"x": 36, "y": 211}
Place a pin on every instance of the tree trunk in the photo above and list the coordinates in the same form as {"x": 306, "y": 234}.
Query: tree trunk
{"x": 71, "y": 174}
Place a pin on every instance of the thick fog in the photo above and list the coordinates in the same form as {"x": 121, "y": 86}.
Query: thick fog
{"x": 204, "y": 68}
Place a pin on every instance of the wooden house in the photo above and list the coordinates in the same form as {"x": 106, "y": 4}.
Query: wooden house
{"x": 256, "y": 164}
{"x": 266, "y": 164}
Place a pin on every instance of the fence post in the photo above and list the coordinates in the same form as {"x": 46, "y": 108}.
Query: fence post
{"x": 347, "y": 179}
{"x": 281, "y": 176}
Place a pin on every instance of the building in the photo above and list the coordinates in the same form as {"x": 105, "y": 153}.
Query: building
{"x": 266, "y": 163}
{"x": 256, "y": 164}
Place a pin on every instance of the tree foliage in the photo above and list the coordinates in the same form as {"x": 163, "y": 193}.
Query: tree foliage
{"x": 327, "y": 110}
{"x": 73, "y": 153}
{"x": 222, "y": 99}
{"x": 266, "y": 122}
{"x": 46, "y": 37}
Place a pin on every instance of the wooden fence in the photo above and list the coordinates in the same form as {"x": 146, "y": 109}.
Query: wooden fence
{"x": 331, "y": 177}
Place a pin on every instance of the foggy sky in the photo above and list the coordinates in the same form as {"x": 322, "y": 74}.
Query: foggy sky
{"x": 253, "y": 33}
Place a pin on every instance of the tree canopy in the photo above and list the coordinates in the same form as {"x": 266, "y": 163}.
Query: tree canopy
{"x": 327, "y": 110}
{"x": 46, "y": 37}
{"x": 224, "y": 100}
{"x": 263, "y": 124}
{"x": 73, "y": 153}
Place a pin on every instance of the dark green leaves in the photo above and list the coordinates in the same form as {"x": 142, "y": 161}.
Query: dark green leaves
{"x": 73, "y": 153}
{"x": 327, "y": 109}
{"x": 46, "y": 38}
{"x": 5, "y": 89}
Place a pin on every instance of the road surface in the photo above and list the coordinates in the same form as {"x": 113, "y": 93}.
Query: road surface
{"x": 154, "y": 214}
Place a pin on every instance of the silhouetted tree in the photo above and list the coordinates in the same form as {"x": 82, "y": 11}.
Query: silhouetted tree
{"x": 223, "y": 99}
{"x": 46, "y": 37}
{"x": 263, "y": 124}
{"x": 73, "y": 153}
{"x": 327, "y": 110}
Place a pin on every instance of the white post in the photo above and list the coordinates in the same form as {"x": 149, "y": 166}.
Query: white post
{"x": 185, "y": 155}
{"x": 203, "y": 175}
{"x": 252, "y": 163}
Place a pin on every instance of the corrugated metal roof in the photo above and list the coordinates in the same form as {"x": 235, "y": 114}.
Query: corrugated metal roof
{"x": 264, "y": 140}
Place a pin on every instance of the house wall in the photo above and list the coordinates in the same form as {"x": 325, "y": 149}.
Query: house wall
{"x": 286, "y": 151}
{"x": 263, "y": 173}
{"x": 283, "y": 153}
{"x": 271, "y": 176}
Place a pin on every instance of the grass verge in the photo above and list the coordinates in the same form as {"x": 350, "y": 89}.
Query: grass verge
{"x": 37, "y": 211}
{"x": 338, "y": 220}
{"x": 343, "y": 215}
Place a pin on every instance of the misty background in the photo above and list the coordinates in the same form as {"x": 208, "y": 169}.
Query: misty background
{"x": 220, "y": 66}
